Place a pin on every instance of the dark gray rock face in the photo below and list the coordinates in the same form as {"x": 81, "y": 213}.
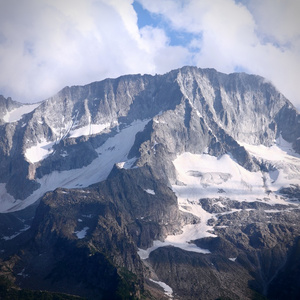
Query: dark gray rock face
{"x": 85, "y": 241}
{"x": 6, "y": 105}
{"x": 201, "y": 276}
{"x": 254, "y": 254}
{"x": 286, "y": 283}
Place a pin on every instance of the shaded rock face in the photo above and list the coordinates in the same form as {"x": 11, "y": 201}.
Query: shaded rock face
{"x": 201, "y": 276}
{"x": 254, "y": 254}
{"x": 6, "y": 105}
{"x": 84, "y": 242}
{"x": 286, "y": 283}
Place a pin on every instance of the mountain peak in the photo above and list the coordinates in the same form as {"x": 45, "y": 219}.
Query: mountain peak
{"x": 195, "y": 171}
{"x": 191, "y": 109}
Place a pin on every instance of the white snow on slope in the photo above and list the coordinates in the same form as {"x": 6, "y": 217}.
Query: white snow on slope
{"x": 88, "y": 130}
{"x": 183, "y": 240}
{"x": 44, "y": 148}
{"x": 6, "y": 200}
{"x": 149, "y": 191}
{"x": 39, "y": 152}
{"x": 168, "y": 290}
{"x": 285, "y": 162}
{"x": 6, "y": 238}
{"x": 17, "y": 113}
{"x": 113, "y": 151}
{"x": 205, "y": 176}
{"x": 281, "y": 150}
{"x": 82, "y": 233}
{"x": 189, "y": 232}
{"x": 126, "y": 164}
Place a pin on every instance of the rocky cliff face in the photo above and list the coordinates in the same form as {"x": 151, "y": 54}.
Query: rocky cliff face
{"x": 85, "y": 241}
{"x": 190, "y": 110}
{"x": 183, "y": 184}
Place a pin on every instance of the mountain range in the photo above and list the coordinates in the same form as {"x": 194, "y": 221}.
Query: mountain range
{"x": 184, "y": 185}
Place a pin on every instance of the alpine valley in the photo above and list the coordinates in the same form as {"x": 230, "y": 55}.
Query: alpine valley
{"x": 177, "y": 186}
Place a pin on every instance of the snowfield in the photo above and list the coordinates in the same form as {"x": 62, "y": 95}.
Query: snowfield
{"x": 17, "y": 113}
{"x": 205, "y": 176}
{"x": 113, "y": 151}
{"x": 39, "y": 152}
{"x": 198, "y": 176}
{"x": 89, "y": 130}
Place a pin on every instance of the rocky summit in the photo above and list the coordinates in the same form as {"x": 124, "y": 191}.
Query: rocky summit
{"x": 177, "y": 186}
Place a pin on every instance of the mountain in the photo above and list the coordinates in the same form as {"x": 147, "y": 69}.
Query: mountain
{"x": 182, "y": 185}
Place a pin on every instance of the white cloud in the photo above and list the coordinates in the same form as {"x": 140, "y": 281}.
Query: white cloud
{"x": 262, "y": 37}
{"x": 278, "y": 20}
{"x": 48, "y": 44}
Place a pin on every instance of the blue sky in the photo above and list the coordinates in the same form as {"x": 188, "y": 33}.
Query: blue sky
{"x": 145, "y": 18}
{"x": 48, "y": 44}
{"x": 176, "y": 37}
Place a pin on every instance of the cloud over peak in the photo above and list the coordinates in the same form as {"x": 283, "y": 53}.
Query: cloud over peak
{"x": 46, "y": 45}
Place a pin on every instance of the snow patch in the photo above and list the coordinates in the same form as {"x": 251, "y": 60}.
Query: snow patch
{"x": 232, "y": 258}
{"x": 168, "y": 290}
{"x": 64, "y": 154}
{"x": 88, "y": 130}
{"x": 87, "y": 216}
{"x": 126, "y": 164}
{"x": 149, "y": 191}
{"x": 17, "y": 113}
{"x": 39, "y": 152}
{"x": 281, "y": 150}
{"x": 113, "y": 151}
{"x": 23, "y": 274}
{"x": 82, "y": 233}
{"x": 181, "y": 241}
